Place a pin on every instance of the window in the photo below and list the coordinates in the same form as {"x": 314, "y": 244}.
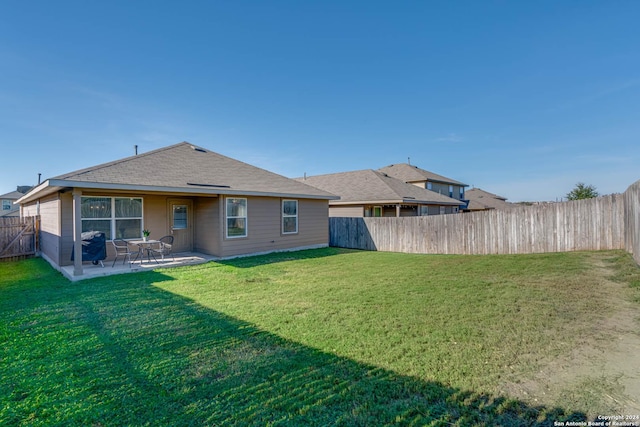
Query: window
{"x": 116, "y": 217}
{"x": 180, "y": 215}
{"x": 424, "y": 210}
{"x": 377, "y": 211}
{"x": 96, "y": 214}
{"x": 128, "y": 217}
{"x": 443, "y": 210}
{"x": 6, "y": 205}
{"x": 289, "y": 216}
{"x": 451, "y": 191}
{"x": 461, "y": 193}
{"x": 236, "y": 217}
{"x": 429, "y": 185}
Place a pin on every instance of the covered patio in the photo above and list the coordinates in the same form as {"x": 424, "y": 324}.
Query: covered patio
{"x": 91, "y": 271}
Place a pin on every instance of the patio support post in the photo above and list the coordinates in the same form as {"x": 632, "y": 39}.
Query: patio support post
{"x": 398, "y": 211}
{"x": 77, "y": 233}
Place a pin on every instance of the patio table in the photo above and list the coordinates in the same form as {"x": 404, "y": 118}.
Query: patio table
{"x": 142, "y": 246}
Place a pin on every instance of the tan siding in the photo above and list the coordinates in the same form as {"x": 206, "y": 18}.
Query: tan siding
{"x": 50, "y": 231}
{"x": 264, "y": 223}
{"x": 440, "y": 188}
{"x": 444, "y": 189}
{"x": 155, "y": 216}
{"x": 264, "y": 227}
{"x": 313, "y": 223}
{"x": 30, "y": 210}
{"x": 207, "y": 225}
{"x": 346, "y": 211}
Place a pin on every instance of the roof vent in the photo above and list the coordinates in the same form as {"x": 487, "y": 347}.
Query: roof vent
{"x": 202, "y": 150}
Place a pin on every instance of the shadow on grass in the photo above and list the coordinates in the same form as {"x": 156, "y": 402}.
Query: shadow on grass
{"x": 276, "y": 257}
{"x": 119, "y": 351}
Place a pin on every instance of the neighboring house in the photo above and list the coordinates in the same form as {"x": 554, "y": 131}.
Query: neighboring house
{"x": 373, "y": 193}
{"x": 425, "y": 179}
{"x": 480, "y": 200}
{"x": 8, "y": 208}
{"x": 210, "y": 203}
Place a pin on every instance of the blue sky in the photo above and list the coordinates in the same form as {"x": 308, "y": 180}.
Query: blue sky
{"x": 523, "y": 99}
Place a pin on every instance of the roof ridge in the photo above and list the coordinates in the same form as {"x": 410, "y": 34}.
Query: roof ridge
{"x": 332, "y": 174}
{"x": 497, "y": 196}
{"x": 424, "y": 173}
{"x": 410, "y": 186}
{"x": 382, "y": 175}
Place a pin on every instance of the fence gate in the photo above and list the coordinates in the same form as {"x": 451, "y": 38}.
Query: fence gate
{"x": 18, "y": 237}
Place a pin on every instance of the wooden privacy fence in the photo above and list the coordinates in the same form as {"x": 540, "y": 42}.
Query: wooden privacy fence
{"x": 18, "y": 237}
{"x": 592, "y": 224}
{"x": 632, "y": 220}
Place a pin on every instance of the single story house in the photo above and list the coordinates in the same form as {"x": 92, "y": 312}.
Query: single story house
{"x": 372, "y": 193}
{"x": 423, "y": 178}
{"x": 210, "y": 203}
{"x": 480, "y": 200}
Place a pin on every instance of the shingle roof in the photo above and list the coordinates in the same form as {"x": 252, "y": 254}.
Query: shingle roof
{"x": 14, "y": 195}
{"x": 374, "y": 186}
{"x": 10, "y": 213}
{"x": 411, "y": 173}
{"x": 480, "y": 199}
{"x": 184, "y": 166}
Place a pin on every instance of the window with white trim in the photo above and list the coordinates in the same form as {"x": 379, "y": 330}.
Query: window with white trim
{"x": 116, "y": 217}
{"x": 236, "y": 212}
{"x": 6, "y": 205}
{"x": 289, "y": 216}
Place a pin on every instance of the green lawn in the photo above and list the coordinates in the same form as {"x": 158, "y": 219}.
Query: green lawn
{"x": 320, "y": 337}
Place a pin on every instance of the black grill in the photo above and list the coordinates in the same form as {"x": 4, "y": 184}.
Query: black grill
{"x": 94, "y": 247}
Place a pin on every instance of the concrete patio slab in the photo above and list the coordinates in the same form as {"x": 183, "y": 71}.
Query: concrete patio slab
{"x": 90, "y": 271}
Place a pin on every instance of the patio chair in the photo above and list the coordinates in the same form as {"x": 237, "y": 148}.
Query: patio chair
{"x": 163, "y": 248}
{"x": 122, "y": 249}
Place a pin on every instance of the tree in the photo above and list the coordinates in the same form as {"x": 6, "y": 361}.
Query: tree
{"x": 582, "y": 191}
